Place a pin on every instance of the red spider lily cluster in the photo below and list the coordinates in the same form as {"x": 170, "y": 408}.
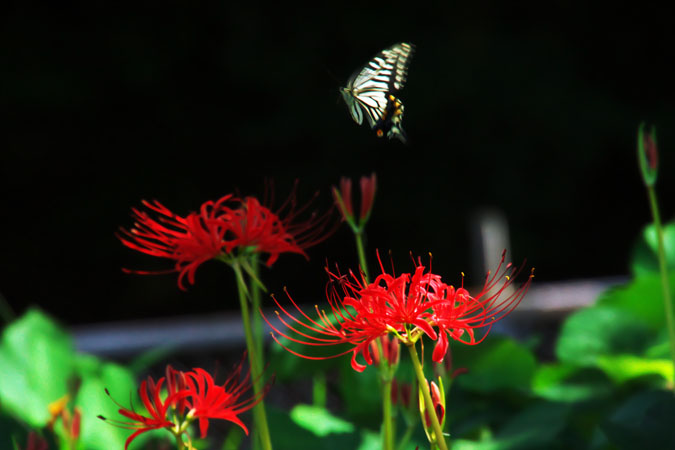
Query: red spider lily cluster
{"x": 222, "y": 229}
{"x": 407, "y": 306}
{"x": 188, "y": 396}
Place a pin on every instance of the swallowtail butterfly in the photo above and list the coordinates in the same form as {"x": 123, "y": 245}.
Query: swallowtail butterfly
{"x": 371, "y": 92}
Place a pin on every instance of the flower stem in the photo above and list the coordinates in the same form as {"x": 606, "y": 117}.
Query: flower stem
{"x": 254, "y": 289}
{"x": 358, "y": 235}
{"x": 319, "y": 390}
{"x": 259, "y": 417}
{"x": 429, "y": 404}
{"x": 387, "y": 424}
{"x": 180, "y": 445}
{"x": 665, "y": 284}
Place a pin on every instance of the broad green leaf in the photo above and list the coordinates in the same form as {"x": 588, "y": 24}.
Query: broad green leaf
{"x": 496, "y": 363}
{"x": 371, "y": 441}
{"x": 641, "y": 297}
{"x": 537, "y": 427}
{"x": 569, "y": 384}
{"x": 92, "y": 400}
{"x": 660, "y": 347}
{"x": 625, "y": 367}
{"x": 643, "y": 421}
{"x": 287, "y": 434}
{"x": 36, "y": 361}
{"x": 597, "y": 331}
{"x": 319, "y": 420}
{"x": 645, "y": 259}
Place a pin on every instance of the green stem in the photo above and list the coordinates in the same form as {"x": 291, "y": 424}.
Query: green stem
{"x": 362, "y": 254}
{"x": 254, "y": 289}
{"x": 665, "y": 284}
{"x": 319, "y": 390}
{"x": 387, "y": 423}
{"x": 180, "y": 445}
{"x": 429, "y": 404}
{"x": 259, "y": 417}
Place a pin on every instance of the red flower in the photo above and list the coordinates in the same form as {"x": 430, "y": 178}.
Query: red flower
{"x": 407, "y": 306}
{"x": 189, "y": 241}
{"x": 220, "y": 229}
{"x": 361, "y": 314}
{"x": 211, "y": 401}
{"x": 189, "y": 395}
{"x": 457, "y": 314}
{"x": 155, "y": 406}
{"x": 255, "y": 226}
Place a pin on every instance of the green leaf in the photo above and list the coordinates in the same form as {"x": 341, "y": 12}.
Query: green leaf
{"x": 642, "y": 298}
{"x": 643, "y": 421}
{"x": 645, "y": 260}
{"x": 568, "y": 383}
{"x": 625, "y": 367}
{"x": 538, "y": 426}
{"x": 92, "y": 400}
{"x": 495, "y": 364}
{"x": 287, "y": 434}
{"x": 319, "y": 420}
{"x": 597, "y": 331}
{"x": 36, "y": 357}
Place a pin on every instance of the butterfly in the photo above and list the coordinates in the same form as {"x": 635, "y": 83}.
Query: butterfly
{"x": 371, "y": 92}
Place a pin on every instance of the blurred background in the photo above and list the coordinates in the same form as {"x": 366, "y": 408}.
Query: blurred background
{"x": 528, "y": 110}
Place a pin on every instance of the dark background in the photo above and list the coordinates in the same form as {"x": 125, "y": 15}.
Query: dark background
{"x": 533, "y": 111}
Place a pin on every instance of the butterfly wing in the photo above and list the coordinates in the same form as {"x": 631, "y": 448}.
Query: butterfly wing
{"x": 370, "y": 92}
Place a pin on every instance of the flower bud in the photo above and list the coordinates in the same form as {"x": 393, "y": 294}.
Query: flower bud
{"x": 647, "y": 154}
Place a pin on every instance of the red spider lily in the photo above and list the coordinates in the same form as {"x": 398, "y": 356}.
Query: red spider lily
{"x": 457, "y": 314}
{"x": 255, "y": 226}
{"x": 221, "y": 228}
{"x": 362, "y": 313}
{"x": 406, "y": 305}
{"x": 211, "y": 401}
{"x": 189, "y": 241}
{"x": 155, "y": 406}
{"x": 189, "y": 396}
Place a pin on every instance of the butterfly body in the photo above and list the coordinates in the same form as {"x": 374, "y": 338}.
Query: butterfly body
{"x": 371, "y": 92}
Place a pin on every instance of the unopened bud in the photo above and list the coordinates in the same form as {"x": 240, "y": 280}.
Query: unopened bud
{"x": 648, "y": 154}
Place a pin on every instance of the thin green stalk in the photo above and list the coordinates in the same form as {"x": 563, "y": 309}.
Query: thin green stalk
{"x": 665, "y": 284}
{"x": 429, "y": 404}
{"x": 362, "y": 254}
{"x": 387, "y": 423}
{"x": 319, "y": 390}
{"x": 259, "y": 417}
{"x": 180, "y": 445}
{"x": 254, "y": 289}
